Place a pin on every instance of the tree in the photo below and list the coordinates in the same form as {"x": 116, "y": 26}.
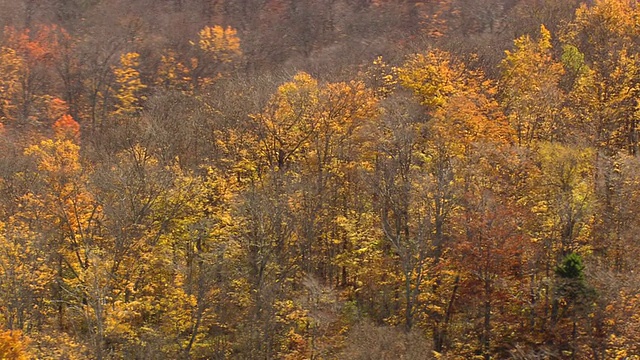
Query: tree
{"x": 78, "y": 249}
{"x": 215, "y": 48}
{"x": 133, "y": 190}
{"x": 202, "y": 237}
{"x": 563, "y": 201}
{"x": 24, "y": 276}
{"x": 270, "y": 256}
{"x": 173, "y": 74}
{"x": 492, "y": 257}
{"x": 462, "y": 117}
{"x": 530, "y": 90}
{"x": 567, "y": 199}
{"x": 433, "y": 77}
{"x": 129, "y": 87}
{"x": 10, "y": 83}
{"x": 288, "y": 123}
{"x": 606, "y": 93}
{"x": 574, "y": 292}
{"x": 38, "y": 51}
{"x": 405, "y": 202}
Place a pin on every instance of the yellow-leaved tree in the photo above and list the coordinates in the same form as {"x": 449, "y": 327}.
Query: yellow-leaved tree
{"x": 11, "y": 65}
{"x": 433, "y": 77}
{"x": 308, "y": 140}
{"x": 172, "y": 73}
{"x": 530, "y": 89}
{"x": 606, "y": 90}
{"x": 220, "y": 44}
{"x": 25, "y": 276}
{"x": 435, "y": 183}
{"x": 288, "y": 122}
{"x": 71, "y": 220}
{"x": 216, "y": 49}
{"x": 129, "y": 86}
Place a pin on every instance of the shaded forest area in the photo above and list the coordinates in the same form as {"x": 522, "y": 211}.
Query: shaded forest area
{"x": 319, "y": 179}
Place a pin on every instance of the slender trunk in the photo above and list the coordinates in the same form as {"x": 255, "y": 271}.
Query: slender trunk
{"x": 633, "y": 137}
{"x": 100, "y": 328}
{"x": 194, "y": 332}
{"x": 440, "y": 334}
{"x": 59, "y": 295}
{"x": 409, "y": 309}
{"x": 533, "y": 300}
{"x": 547, "y": 299}
{"x": 573, "y": 339}
{"x": 200, "y": 303}
{"x": 486, "y": 337}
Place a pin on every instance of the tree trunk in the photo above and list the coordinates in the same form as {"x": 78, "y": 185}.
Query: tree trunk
{"x": 409, "y": 309}
{"x": 486, "y": 336}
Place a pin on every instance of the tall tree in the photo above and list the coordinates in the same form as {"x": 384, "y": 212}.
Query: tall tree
{"x": 530, "y": 90}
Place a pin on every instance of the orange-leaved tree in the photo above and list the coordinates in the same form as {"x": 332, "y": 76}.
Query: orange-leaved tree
{"x": 11, "y": 67}
{"x": 13, "y": 345}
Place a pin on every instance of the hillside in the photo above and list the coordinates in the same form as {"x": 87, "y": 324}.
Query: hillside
{"x": 319, "y": 179}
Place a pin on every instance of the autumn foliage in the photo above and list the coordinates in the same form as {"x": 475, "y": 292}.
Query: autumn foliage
{"x": 331, "y": 179}
{"x": 12, "y": 345}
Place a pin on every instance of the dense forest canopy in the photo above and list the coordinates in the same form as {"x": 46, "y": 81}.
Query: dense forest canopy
{"x": 319, "y": 179}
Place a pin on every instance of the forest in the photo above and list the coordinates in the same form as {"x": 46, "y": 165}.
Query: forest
{"x": 319, "y": 179}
